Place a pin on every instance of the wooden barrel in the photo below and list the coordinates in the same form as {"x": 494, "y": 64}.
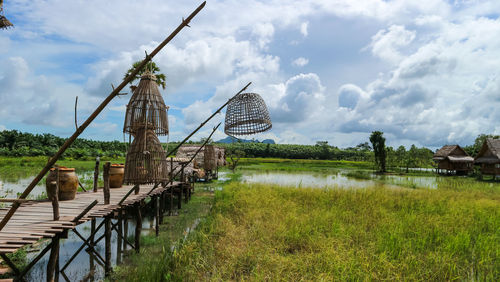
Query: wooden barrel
{"x": 116, "y": 172}
{"x": 68, "y": 183}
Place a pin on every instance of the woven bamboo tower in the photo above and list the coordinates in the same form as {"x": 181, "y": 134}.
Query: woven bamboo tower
{"x": 146, "y": 109}
{"x": 247, "y": 114}
{"x": 146, "y": 161}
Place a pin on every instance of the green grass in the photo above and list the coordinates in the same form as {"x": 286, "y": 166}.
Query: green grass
{"x": 14, "y": 168}
{"x": 299, "y": 165}
{"x": 152, "y": 263}
{"x": 265, "y": 232}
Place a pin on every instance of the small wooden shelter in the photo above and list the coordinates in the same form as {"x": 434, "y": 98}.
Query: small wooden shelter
{"x": 453, "y": 159}
{"x": 489, "y": 157}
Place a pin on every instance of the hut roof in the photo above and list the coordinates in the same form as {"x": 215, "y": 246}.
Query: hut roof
{"x": 460, "y": 159}
{"x": 490, "y": 152}
{"x": 451, "y": 150}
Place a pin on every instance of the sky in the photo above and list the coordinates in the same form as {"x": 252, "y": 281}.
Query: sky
{"x": 425, "y": 72}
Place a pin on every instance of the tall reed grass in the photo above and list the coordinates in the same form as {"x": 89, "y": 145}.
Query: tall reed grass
{"x": 266, "y": 232}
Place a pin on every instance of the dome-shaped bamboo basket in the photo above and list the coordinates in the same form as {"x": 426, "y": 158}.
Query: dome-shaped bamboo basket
{"x": 146, "y": 108}
{"x": 247, "y": 114}
{"x": 146, "y": 160}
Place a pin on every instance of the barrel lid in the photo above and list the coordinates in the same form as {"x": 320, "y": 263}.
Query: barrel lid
{"x": 117, "y": 165}
{"x": 63, "y": 168}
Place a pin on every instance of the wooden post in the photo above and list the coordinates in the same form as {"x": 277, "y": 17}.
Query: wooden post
{"x": 162, "y": 207}
{"x": 125, "y": 230}
{"x": 119, "y": 238}
{"x": 157, "y": 214}
{"x": 55, "y": 199}
{"x": 91, "y": 241}
{"x": 171, "y": 198}
{"x": 137, "y": 189}
{"x": 138, "y": 227}
{"x": 105, "y": 176}
{"x": 171, "y": 170}
{"x": 179, "y": 203}
{"x": 107, "y": 245}
{"x": 54, "y": 257}
{"x": 96, "y": 173}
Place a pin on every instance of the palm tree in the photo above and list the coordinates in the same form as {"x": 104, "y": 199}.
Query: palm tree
{"x": 4, "y": 22}
{"x": 152, "y": 67}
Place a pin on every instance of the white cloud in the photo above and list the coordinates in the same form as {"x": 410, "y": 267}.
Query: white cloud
{"x": 304, "y": 28}
{"x": 446, "y": 91}
{"x": 300, "y": 62}
{"x": 2, "y": 127}
{"x": 440, "y": 79}
{"x": 386, "y": 43}
{"x": 44, "y": 100}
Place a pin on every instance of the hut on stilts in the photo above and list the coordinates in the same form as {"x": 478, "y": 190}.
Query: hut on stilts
{"x": 489, "y": 157}
{"x": 145, "y": 118}
{"x": 205, "y": 163}
{"x": 452, "y": 159}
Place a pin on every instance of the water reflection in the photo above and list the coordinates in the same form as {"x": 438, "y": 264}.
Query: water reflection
{"x": 339, "y": 179}
{"x": 84, "y": 267}
{"x": 12, "y": 188}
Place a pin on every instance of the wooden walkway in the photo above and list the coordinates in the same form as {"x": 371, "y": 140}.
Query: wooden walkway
{"x": 34, "y": 219}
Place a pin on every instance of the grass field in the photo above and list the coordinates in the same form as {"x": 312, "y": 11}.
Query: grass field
{"x": 157, "y": 253}
{"x": 261, "y": 232}
{"x": 300, "y": 165}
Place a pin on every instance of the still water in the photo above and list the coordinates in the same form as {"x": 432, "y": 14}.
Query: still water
{"x": 81, "y": 268}
{"x": 339, "y": 179}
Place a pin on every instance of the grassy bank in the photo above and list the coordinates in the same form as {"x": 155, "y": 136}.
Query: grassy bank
{"x": 13, "y": 168}
{"x": 261, "y": 232}
{"x": 300, "y": 165}
{"x": 155, "y": 258}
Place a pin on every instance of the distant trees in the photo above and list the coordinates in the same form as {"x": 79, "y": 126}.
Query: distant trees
{"x": 16, "y": 144}
{"x": 378, "y": 144}
{"x": 473, "y": 149}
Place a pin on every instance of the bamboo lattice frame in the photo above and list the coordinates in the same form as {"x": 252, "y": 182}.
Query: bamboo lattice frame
{"x": 146, "y": 109}
{"x": 247, "y": 114}
{"x": 146, "y": 160}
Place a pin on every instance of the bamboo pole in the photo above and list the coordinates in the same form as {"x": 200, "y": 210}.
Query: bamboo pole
{"x": 97, "y": 111}
{"x": 209, "y": 118}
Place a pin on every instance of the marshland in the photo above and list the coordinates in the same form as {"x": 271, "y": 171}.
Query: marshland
{"x": 249, "y": 140}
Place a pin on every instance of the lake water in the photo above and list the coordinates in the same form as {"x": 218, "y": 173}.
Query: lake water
{"x": 336, "y": 180}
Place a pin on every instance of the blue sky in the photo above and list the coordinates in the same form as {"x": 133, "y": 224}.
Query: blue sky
{"x": 424, "y": 72}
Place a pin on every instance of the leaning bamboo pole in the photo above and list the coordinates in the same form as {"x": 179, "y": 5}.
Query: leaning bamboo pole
{"x": 80, "y": 129}
{"x": 209, "y": 118}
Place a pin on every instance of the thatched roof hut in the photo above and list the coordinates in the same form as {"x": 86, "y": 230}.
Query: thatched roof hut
{"x": 453, "y": 158}
{"x": 207, "y": 158}
{"x": 489, "y": 157}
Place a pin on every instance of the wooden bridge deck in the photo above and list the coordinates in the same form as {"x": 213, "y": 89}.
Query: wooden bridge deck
{"x": 34, "y": 219}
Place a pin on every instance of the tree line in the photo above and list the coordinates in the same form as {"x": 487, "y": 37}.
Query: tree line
{"x": 16, "y": 144}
